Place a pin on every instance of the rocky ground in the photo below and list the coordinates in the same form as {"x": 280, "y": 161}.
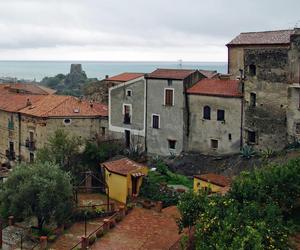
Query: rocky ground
{"x": 191, "y": 164}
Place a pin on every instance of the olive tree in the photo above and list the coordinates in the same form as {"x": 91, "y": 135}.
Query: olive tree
{"x": 41, "y": 190}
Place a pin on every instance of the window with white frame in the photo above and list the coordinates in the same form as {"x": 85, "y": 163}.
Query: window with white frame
{"x": 169, "y": 97}
{"x": 155, "y": 121}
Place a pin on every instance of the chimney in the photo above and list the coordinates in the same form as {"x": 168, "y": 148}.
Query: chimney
{"x": 28, "y": 102}
{"x": 107, "y": 76}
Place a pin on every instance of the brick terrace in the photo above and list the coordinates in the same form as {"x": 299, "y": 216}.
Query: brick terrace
{"x": 142, "y": 229}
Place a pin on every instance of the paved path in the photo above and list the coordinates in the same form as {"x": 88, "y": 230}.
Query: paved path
{"x": 74, "y": 233}
{"x": 142, "y": 229}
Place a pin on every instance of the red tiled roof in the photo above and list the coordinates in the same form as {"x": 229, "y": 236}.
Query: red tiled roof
{"x": 124, "y": 77}
{"x": 122, "y": 166}
{"x": 65, "y": 106}
{"x": 13, "y": 102}
{"x": 174, "y": 74}
{"x": 219, "y": 180}
{"x": 29, "y": 88}
{"x": 265, "y": 37}
{"x": 216, "y": 87}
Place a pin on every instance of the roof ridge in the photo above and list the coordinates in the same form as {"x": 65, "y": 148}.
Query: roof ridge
{"x": 176, "y": 69}
{"x": 266, "y": 31}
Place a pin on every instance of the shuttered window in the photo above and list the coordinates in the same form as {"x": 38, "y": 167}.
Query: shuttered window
{"x": 169, "y": 95}
{"x": 155, "y": 121}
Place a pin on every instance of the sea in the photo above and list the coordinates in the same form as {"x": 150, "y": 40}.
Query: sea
{"x": 37, "y": 70}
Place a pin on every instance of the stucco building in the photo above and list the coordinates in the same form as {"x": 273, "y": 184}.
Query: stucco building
{"x": 269, "y": 63}
{"x": 215, "y": 116}
{"x": 28, "y": 118}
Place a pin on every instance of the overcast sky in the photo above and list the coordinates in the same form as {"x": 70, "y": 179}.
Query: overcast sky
{"x": 128, "y": 30}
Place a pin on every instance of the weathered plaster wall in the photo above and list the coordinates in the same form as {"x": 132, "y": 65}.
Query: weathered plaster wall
{"x": 293, "y": 114}
{"x": 171, "y": 117}
{"x": 202, "y": 131}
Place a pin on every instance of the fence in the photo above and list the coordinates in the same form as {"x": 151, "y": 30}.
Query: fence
{"x": 107, "y": 224}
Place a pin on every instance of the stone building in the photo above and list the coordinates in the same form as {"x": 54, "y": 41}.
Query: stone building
{"x": 269, "y": 63}
{"x": 215, "y": 116}
{"x": 27, "y": 120}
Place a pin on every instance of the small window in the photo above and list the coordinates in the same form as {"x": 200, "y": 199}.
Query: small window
{"x": 67, "y": 121}
{"x": 252, "y": 99}
{"x": 252, "y": 70}
{"x": 206, "y": 113}
{"x": 172, "y": 144}
{"x": 127, "y": 111}
{"x": 251, "y": 137}
{"x": 103, "y": 131}
{"x": 214, "y": 143}
{"x": 31, "y": 157}
{"x": 169, "y": 97}
{"x": 129, "y": 92}
{"x": 169, "y": 82}
{"x": 220, "y": 115}
{"x": 229, "y": 137}
{"x": 155, "y": 121}
{"x": 298, "y": 128}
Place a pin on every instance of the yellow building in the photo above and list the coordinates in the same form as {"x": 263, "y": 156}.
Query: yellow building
{"x": 216, "y": 183}
{"x": 123, "y": 177}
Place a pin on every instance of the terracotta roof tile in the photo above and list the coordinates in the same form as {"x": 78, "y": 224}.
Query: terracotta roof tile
{"x": 216, "y": 179}
{"x": 265, "y": 37}
{"x": 122, "y": 166}
{"x": 65, "y": 106}
{"x": 124, "y": 77}
{"x": 29, "y": 88}
{"x": 216, "y": 87}
{"x": 174, "y": 74}
{"x": 13, "y": 102}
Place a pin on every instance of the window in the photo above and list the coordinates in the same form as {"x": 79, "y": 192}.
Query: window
{"x": 172, "y": 144}
{"x": 155, "y": 121}
{"x": 129, "y": 92}
{"x": 220, "y": 115}
{"x": 252, "y": 99}
{"x": 251, "y": 137}
{"x": 169, "y": 97}
{"x": 252, "y": 70}
{"x": 169, "y": 82}
{"x": 214, "y": 143}
{"x": 127, "y": 111}
{"x": 206, "y": 113}
{"x": 67, "y": 121}
{"x": 103, "y": 131}
{"x": 229, "y": 137}
{"x": 31, "y": 157}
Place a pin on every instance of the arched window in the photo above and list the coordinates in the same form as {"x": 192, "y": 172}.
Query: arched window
{"x": 206, "y": 113}
{"x": 252, "y": 70}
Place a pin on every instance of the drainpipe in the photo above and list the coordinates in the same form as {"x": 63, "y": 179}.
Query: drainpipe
{"x": 242, "y": 109}
{"x": 145, "y": 118}
{"x": 19, "y": 135}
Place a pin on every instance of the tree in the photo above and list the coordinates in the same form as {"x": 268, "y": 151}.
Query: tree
{"x": 42, "y": 190}
{"x": 63, "y": 150}
{"x": 274, "y": 183}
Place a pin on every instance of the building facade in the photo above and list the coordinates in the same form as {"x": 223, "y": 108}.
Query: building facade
{"x": 28, "y": 120}
{"x": 269, "y": 62}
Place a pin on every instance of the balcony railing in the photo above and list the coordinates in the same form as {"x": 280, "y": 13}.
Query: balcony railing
{"x": 127, "y": 119}
{"x": 30, "y": 145}
{"x": 11, "y": 155}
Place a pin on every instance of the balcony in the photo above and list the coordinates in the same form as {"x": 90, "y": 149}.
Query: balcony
{"x": 30, "y": 145}
{"x": 11, "y": 155}
{"x": 127, "y": 119}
